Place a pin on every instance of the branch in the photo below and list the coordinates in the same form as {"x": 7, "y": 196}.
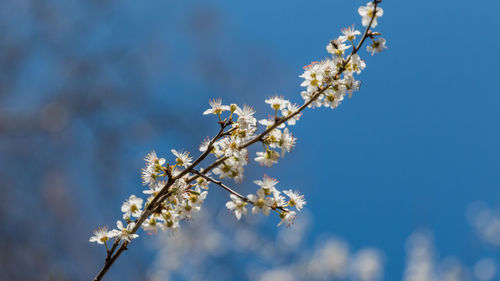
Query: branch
{"x": 230, "y": 190}
{"x": 113, "y": 253}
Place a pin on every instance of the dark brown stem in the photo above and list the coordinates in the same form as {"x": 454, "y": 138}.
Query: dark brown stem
{"x": 110, "y": 262}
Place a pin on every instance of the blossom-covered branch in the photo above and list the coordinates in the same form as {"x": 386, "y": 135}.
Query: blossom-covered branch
{"x": 177, "y": 190}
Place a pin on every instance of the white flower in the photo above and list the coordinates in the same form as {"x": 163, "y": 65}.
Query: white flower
{"x": 270, "y": 122}
{"x": 245, "y": 117}
{"x": 267, "y": 183}
{"x": 313, "y": 75}
{"x": 366, "y": 12}
{"x": 377, "y": 46}
{"x": 267, "y": 188}
{"x": 267, "y": 158}
{"x": 171, "y": 219}
{"x": 356, "y": 64}
{"x": 351, "y": 84}
{"x": 204, "y": 145}
{"x": 101, "y": 235}
{"x": 132, "y": 207}
{"x": 183, "y": 158}
{"x": 125, "y": 233}
{"x": 260, "y": 203}
{"x": 337, "y": 47}
{"x": 187, "y": 210}
{"x": 155, "y": 188}
{"x": 286, "y": 141}
{"x": 331, "y": 66}
{"x": 349, "y": 33}
{"x": 203, "y": 183}
{"x": 287, "y": 217}
{"x": 230, "y": 145}
{"x": 153, "y": 223}
{"x": 151, "y": 158}
{"x": 308, "y": 95}
{"x": 289, "y": 110}
{"x": 172, "y": 224}
{"x": 278, "y": 200}
{"x": 153, "y": 167}
{"x": 277, "y": 103}
{"x": 217, "y": 107}
{"x": 233, "y": 167}
{"x": 296, "y": 200}
{"x": 333, "y": 98}
{"x": 197, "y": 197}
{"x": 272, "y": 139}
{"x": 148, "y": 175}
{"x": 237, "y": 205}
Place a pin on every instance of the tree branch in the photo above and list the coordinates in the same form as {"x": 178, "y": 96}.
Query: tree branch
{"x": 112, "y": 256}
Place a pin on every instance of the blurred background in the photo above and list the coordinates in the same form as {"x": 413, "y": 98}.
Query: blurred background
{"x": 402, "y": 180}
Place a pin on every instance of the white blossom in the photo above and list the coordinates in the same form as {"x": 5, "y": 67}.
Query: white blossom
{"x": 153, "y": 224}
{"x": 151, "y": 158}
{"x": 356, "y": 64}
{"x": 102, "y": 235}
{"x": 267, "y": 158}
{"x": 270, "y": 122}
{"x": 153, "y": 168}
{"x": 183, "y": 158}
{"x": 155, "y": 188}
{"x": 308, "y": 96}
{"x": 296, "y": 200}
{"x": 337, "y": 46}
{"x": 132, "y": 207}
{"x": 349, "y": 34}
{"x": 197, "y": 197}
{"x": 125, "y": 233}
{"x": 313, "y": 76}
{"x": 217, "y": 107}
{"x": 286, "y": 141}
{"x": 351, "y": 84}
{"x": 237, "y": 205}
{"x": 187, "y": 209}
{"x": 204, "y": 145}
{"x": 277, "y": 103}
{"x": 278, "y": 199}
{"x": 267, "y": 184}
{"x": 260, "y": 202}
{"x": 171, "y": 219}
{"x": 148, "y": 175}
{"x": 289, "y": 110}
{"x": 377, "y": 46}
{"x": 246, "y": 120}
{"x": 334, "y": 98}
{"x": 367, "y": 12}
{"x": 287, "y": 218}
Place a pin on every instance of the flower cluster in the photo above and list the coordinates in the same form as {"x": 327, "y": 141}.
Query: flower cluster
{"x": 176, "y": 190}
{"x": 328, "y": 81}
{"x": 180, "y": 202}
{"x": 230, "y": 146}
{"x": 278, "y": 137}
{"x": 268, "y": 198}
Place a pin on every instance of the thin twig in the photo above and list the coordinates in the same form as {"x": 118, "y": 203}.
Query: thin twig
{"x": 219, "y": 183}
{"x": 232, "y": 191}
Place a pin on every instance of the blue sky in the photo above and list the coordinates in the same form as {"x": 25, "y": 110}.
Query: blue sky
{"x": 417, "y": 144}
{"x": 411, "y": 150}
